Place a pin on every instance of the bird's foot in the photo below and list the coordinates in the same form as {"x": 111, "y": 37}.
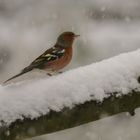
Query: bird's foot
{"x": 54, "y": 73}
{"x": 60, "y": 72}
{"x": 49, "y": 74}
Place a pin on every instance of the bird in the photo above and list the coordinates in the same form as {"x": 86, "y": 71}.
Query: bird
{"x": 55, "y": 58}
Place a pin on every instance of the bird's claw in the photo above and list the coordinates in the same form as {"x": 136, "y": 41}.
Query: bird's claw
{"x": 49, "y": 74}
{"x": 55, "y": 73}
{"x": 60, "y": 72}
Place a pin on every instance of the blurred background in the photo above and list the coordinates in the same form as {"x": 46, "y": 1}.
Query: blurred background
{"x": 107, "y": 28}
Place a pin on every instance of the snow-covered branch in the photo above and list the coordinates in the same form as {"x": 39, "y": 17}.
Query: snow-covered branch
{"x": 31, "y": 108}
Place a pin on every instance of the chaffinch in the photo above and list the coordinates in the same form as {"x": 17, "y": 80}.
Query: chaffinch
{"x": 54, "y": 58}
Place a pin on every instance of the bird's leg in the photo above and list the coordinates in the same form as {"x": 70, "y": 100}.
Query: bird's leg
{"x": 60, "y": 72}
{"x": 49, "y": 74}
{"x": 54, "y": 73}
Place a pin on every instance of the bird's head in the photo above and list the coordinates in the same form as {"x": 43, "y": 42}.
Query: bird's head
{"x": 66, "y": 39}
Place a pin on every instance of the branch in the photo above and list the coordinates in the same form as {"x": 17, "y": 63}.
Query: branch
{"x": 70, "y": 99}
{"x": 67, "y": 118}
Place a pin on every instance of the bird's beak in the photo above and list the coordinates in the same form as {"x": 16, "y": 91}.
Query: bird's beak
{"x": 76, "y": 36}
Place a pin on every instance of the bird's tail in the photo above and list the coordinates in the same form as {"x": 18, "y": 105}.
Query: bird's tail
{"x": 27, "y": 69}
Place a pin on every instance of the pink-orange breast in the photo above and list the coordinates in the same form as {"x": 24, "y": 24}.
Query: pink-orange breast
{"x": 61, "y": 62}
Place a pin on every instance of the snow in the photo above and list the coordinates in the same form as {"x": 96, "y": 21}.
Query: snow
{"x": 34, "y": 98}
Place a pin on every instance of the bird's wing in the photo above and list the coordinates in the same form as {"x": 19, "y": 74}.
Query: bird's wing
{"x": 51, "y": 54}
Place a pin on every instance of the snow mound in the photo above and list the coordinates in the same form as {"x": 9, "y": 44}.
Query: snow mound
{"x": 32, "y": 99}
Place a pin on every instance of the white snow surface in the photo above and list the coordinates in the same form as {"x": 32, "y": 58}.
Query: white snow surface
{"x": 34, "y": 98}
